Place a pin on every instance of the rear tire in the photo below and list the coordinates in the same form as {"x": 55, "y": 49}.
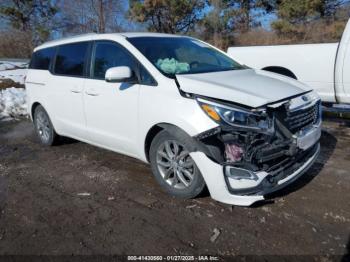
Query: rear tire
{"x": 43, "y": 127}
{"x": 173, "y": 167}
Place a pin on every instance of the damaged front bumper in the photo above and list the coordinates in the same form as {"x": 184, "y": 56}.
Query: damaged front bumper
{"x": 259, "y": 163}
{"x": 245, "y": 192}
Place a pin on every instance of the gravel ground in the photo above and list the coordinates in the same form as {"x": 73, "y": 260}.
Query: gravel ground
{"x": 79, "y": 199}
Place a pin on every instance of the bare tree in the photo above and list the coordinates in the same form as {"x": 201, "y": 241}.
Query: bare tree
{"x": 100, "y": 16}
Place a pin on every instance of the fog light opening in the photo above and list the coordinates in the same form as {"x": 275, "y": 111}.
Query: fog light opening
{"x": 240, "y": 173}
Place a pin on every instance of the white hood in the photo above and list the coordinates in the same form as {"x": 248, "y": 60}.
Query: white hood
{"x": 249, "y": 87}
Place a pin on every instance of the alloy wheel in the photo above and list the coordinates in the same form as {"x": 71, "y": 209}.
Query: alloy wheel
{"x": 43, "y": 126}
{"x": 175, "y": 164}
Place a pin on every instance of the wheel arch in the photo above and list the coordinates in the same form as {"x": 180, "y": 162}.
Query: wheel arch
{"x": 171, "y": 128}
{"x": 280, "y": 70}
{"x": 150, "y": 136}
{"x": 32, "y": 110}
{"x": 155, "y": 130}
{"x": 34, "y": 106}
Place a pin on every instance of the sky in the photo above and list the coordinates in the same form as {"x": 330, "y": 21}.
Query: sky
{"x": 264, "y": 19}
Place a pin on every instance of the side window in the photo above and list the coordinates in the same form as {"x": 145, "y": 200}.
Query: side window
{"x": 41, "y": 59}
{"x": 109, "y": 55}
{"x": 70, "y": 59}
{"x": 146, "y": 78}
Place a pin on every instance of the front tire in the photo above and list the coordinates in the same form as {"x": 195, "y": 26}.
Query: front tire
{"x": 173, "y": 167}
{"x": 43, "y": 127}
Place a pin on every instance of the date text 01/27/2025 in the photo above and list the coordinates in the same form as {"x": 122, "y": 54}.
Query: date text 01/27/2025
{"x": 173, "y": 258}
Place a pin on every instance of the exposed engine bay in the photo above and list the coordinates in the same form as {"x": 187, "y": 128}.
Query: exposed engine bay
{"x": 278, "y": 148}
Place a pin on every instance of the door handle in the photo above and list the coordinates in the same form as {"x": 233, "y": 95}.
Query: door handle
{"x": 75, "y": 90}
{"x": 91, "y": 92}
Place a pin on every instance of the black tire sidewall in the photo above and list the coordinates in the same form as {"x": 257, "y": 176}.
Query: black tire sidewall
{"x": 53, "y": 135}
{"x": 198, "y": 183}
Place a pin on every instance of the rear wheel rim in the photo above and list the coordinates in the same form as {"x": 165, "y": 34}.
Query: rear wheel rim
{"x": 43, "y": 126}
{"x": 175, "y": 164}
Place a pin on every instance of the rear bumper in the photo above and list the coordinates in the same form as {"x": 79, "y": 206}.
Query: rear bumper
{"x": 245, "y": 192}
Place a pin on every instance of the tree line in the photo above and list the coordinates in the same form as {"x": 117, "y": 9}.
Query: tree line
{"x": 27, "y": 23}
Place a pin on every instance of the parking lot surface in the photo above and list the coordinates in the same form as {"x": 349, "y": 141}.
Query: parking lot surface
{"x": 78, "y": 199}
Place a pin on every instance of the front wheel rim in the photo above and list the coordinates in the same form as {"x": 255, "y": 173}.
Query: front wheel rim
{"x": 175, "y": 164}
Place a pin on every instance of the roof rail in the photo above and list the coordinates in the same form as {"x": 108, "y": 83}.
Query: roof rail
{"x": 67, "y": 37}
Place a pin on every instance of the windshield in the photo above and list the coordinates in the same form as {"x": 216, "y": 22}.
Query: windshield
{"x": 183, "y": 55}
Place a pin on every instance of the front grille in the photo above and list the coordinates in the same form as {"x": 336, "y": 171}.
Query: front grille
{"x": 297, "y": 120}
{"x": 286, "y": 164}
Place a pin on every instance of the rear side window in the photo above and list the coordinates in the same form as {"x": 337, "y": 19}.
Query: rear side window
{"x": 109, "y": 55}
{"x": 70, "y": 59}
{"x": 41, "y": 59}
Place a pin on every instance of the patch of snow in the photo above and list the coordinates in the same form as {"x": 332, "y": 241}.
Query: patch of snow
{"x": 6, "y": 65}
{"x": 13, "y": 103}
{"x": 14, "y": 70}
{"x": 17, "y": 75}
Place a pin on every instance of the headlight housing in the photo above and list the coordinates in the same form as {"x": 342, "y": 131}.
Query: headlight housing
{"x": 234, "y": 116}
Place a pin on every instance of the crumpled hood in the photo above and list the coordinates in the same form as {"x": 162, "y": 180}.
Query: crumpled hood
{"x": 250, "y": 87}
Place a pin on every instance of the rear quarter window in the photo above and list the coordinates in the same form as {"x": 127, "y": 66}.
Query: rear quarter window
{"x": 42, "y": 58}
{"x": 70, "y": 59}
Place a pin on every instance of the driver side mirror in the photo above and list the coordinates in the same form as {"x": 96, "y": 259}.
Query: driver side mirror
{"x": 120, "y": 74}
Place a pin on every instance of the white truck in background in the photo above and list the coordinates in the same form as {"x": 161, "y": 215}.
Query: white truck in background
{"x": 323, "y": 67}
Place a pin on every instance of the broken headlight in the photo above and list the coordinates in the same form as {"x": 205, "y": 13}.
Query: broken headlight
{"x": 235, "y": 116}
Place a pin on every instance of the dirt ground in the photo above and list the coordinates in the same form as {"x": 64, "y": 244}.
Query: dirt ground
{"x": 79, "y": 199}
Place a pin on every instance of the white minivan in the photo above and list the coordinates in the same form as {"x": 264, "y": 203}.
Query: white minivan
{"x": 197, "y": 116}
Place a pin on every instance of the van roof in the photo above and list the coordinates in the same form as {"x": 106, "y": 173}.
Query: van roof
{"x": 93, "y": 36}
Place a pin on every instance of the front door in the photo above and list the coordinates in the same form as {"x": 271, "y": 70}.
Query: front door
{"x": 111, "y": 109}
